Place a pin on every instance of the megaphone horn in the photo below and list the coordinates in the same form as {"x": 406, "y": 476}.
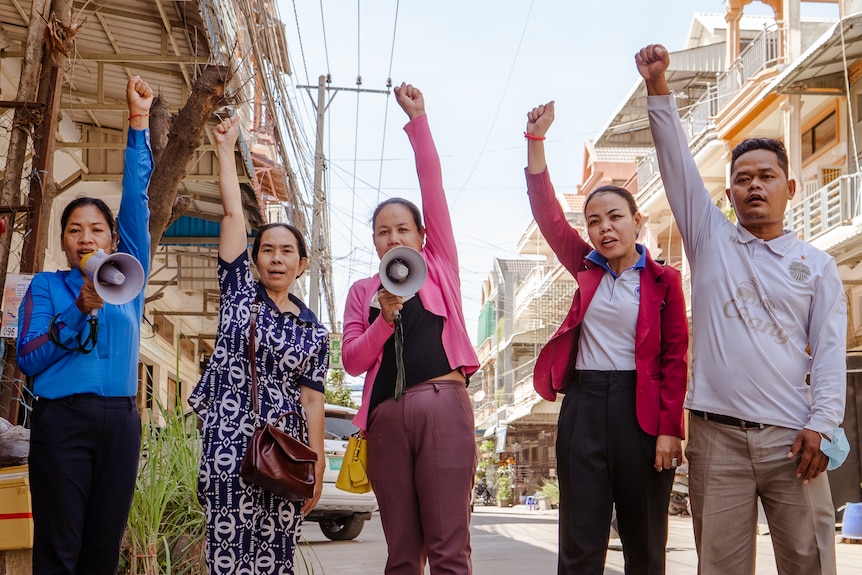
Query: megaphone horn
{"x": 118, "y": 277}
{"x": 403, "y": 271}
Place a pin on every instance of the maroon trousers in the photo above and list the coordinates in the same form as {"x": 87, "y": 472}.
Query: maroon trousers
{"x": 422, "y": 463}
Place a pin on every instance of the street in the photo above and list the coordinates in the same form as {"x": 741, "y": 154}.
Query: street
{"x": 515, "y": 541}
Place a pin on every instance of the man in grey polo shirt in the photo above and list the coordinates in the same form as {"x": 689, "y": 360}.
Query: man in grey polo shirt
{"x": 767, "y": 308}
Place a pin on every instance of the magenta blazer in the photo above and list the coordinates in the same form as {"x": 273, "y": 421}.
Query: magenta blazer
{"x": 661, "y": 346}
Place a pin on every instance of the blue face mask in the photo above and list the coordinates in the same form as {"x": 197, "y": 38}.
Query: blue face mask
{"x": 836, "y": 450}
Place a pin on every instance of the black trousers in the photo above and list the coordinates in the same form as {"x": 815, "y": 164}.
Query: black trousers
{"x": 84, "y": 453}
{"x": 604, "y": 459}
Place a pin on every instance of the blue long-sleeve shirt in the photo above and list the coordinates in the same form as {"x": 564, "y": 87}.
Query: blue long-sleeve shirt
{"x": 111, "y": 368}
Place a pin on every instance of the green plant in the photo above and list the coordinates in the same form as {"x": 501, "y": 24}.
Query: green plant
{"x": 551, "y": 489}
{"x": 503, "y": 485}
{"x": 335, "y": 391}
{"x": 165, "y": 531}
{"x": 305, "y": 558}
{"x": 728, "y": 211}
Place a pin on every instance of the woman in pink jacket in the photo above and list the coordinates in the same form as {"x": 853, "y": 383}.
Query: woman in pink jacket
{"x": 620, "y": 357}
{"x": 421, "y": 450}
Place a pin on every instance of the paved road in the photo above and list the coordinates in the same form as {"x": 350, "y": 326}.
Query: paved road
{"x": 515, "y": 542}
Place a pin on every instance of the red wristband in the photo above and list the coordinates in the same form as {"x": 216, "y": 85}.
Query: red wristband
{"x": 139, "y": 116}
{"x": 532, "y": 137}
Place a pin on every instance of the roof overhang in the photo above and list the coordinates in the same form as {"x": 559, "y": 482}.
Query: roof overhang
{"x": 820, "y": 69}
{"x": 690, "y": 73}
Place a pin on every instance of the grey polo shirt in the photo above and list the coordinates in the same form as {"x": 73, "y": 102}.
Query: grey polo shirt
{"x": 764, "y": 313}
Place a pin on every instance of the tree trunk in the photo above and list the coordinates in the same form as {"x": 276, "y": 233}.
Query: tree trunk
{"x": 26, "y": 118}
{"x": 59, "y": 38}
{"x": 186, "y": 134}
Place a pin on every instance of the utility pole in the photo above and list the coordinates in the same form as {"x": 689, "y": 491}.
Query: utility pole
{"x": 319, "y": 200}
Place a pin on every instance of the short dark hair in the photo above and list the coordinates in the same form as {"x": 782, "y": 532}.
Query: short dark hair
{"x": 414, "y": 211}
{"x": 769, "y": 144}
{"x": 87, "y": 201}
{"x": 300, "y": 242}
{"x": 621, "y": 192}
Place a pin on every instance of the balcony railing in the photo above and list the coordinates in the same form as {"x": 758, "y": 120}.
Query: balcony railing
{"x": 523, "y": 390}
{"x": 763, "y": 52}
{"x": 833, "y": 205}
{"x": 531, "y": 287}
{"x": 695, "y": 121}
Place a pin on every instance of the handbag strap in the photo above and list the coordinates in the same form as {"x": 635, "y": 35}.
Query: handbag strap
{"x": 252, "y": 358}
{"x": 252, "y": 364}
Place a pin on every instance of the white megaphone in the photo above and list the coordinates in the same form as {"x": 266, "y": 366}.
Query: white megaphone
{"x": 118, "y": 277}
{"x": 403, "y": 271}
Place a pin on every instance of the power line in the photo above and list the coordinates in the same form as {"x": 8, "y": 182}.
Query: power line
{"x": 499, "y": 106}
{"x": 299, "y": 38}
{"x": 325, "y": 44}
{"x": 386, "y": 108}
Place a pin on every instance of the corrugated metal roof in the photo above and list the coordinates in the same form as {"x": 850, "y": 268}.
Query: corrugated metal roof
{"x": 519, "y": 266}
{"x": 621, "y": 153}
{"x": 820, "y": 69}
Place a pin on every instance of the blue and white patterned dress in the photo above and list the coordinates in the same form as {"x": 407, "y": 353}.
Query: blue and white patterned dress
{"x": 251, "y": 531}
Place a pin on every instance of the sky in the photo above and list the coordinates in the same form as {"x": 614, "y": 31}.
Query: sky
{"x": 481, "y": 65}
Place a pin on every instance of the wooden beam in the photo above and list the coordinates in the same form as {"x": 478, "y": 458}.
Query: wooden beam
{"x": 6, "y": 104}
{"x": 113, "y": 146}
{"x": 112, "y": 10}
{"x": 186, "y": 313}
{"x": 109, "y": 57}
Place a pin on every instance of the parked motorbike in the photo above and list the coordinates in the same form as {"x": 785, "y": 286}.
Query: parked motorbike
{"x": 679, "y": 504}
{"x": 483, "y": 493}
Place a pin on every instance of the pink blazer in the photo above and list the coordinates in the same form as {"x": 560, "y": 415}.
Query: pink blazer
{"x": 362, "y": 345}
{"x": 661, "y": 346}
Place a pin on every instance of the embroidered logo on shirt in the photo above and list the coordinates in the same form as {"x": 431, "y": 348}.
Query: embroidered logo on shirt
{"x": 751, "y": 305}
{"x": 638, "y": 293}
{"x": 799, "y": 270}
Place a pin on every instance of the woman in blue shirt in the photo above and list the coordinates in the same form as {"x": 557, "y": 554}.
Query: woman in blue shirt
{"x": 85, "y": 436}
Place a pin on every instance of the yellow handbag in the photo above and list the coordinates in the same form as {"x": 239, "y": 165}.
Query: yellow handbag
{"x": 352, "y": 476}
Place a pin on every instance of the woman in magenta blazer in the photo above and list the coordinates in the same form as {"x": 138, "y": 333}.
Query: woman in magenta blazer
{"x": 620, "y": 358}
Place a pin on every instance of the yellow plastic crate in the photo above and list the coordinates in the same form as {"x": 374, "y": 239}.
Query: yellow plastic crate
{"x": 16, "y": 512}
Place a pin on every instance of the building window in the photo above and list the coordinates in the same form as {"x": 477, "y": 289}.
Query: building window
{"x": 821, "y": 135}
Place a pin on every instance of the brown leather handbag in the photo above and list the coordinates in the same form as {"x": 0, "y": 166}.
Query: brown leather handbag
{"x": 275, "y": 460}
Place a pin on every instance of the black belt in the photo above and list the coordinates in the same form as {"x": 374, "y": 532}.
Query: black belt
{"x": 727, "y": 420}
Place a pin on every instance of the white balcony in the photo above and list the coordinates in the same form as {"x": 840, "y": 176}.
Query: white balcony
{"x": 764, "y": 52}
{"x": 829, "y": 209}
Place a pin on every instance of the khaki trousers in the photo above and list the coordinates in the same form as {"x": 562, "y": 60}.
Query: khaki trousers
{"x": 729, "y": 468}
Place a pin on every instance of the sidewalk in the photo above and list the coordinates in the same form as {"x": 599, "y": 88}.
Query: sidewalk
{"x": 682, "y": 556}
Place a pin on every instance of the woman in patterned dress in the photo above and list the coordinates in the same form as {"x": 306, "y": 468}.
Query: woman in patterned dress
{"x": 251, "y": 531}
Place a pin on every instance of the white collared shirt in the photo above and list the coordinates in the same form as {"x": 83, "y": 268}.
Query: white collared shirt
{"x": 757, "y": 306}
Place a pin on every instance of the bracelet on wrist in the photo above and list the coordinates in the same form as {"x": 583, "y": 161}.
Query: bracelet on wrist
{"x": 139, "y": 116}
{"x": 534, "y": 138}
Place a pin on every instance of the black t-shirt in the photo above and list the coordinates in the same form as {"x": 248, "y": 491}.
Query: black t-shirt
{"x": 424, "y": 356}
